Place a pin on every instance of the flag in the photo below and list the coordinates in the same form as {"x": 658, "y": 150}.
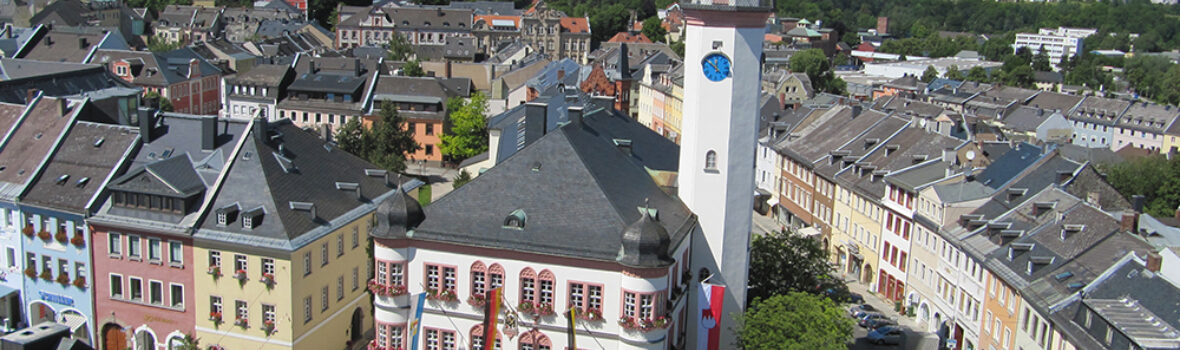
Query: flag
{"x": 491, "y": 310}
{"x": 709, "y": 304}
{"x": 418, "y": 303}
{"x": 573, "y": 335}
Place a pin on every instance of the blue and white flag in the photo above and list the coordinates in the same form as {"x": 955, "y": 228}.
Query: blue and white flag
{"x": 418, "y": 302}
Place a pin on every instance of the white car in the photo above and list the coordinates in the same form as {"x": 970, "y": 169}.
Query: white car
{"x": 886, "y": 335}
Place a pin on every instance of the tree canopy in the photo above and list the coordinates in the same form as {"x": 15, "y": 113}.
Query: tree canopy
{"x": 930, "y": 74}
{"x": 815, "y": 64}
{"x": 653, "y": 28}
{"x": 787, "y": 263}
{"x": 1155, "y": 177}
{"x": 413, "y": 68}
{"x": 794, "y": 321}
{"x": 384, "y": 144}
{"x": 399, "y": 49}
{"x": 468, "y": 135}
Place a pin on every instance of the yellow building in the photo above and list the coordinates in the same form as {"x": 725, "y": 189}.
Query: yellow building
{"x": 280, "y": 259}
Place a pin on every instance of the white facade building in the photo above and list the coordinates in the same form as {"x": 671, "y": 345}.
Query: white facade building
{"x": 1056, "y": 46}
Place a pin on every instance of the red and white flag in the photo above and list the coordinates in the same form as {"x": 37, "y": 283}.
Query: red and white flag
{"x": 710, "y": 303}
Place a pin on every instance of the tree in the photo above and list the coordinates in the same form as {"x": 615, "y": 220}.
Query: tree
{"x": 678, "y": 47}
{"x": 1156, "y": 178}
{"x": 953, "y": 73}
{"x": 815, "y": 64}
{"x": 1040, "y": 61}
{"x": 794, "y": 321}
{"x": 1171, "y": 79}
{"x": 164, "y": 103}
{"x": 399, "y": 49}
{"x": 463, "y": 178}
{"x": 653, "y": 28}
{"x": 998, "y": 47}
{"x": 468, "y": 135}
{"x": 787, "y": 263}
{"x": 413, "y": 68}
{"x": 977, "y": 74}
{"x": 930, "y": 74}
{"x": 158, "y": 45}
{"x": 385, "y": 144}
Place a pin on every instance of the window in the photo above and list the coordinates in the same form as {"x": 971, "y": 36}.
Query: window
{"x": 324, "y": 254}
{"x": 546, "y": 282}
{"x": 136, "y": 288}
{"x": 324, "y": 299}
{"x": 528, "y": 285}
{"x": 177, "y": 295}
{"x": 214, "y": 258}
{"x": 495, "y": 276}
{"x": 307, "y": 309}
{"x": 595, "y": 297}
{"x": 156, "y": 292}
{"x": 154, "y": 250}
{"x": 647, "y": 306}
{"x": 478, "y": 279}
{"x": 340, "y": 245}
{"x": 340, "y": 288}
{"x": 355, "y": 237}
{"x": 355, "y": 278}
{"x": 214, "y": 305}
{"x": 11, "y": 255}
{"x": 240, "y": 264}
{"x": 440, "y": 277}
{"x": 241, "y": 310}
{"x": 306, "y": 263}
{"x": 710, "y": 160}
{"x": 114, "y": 244}
{"x": 397, "y": 275}
{"x": 429, "y": 129}
{"x": 577, "y": 296}
{"x": 80, "y": 269}
{"x": 629, "y": 300}
{"x": 116, "y": 286}
{"x": 175, "y": 253}
{"x": 133, "y": 248}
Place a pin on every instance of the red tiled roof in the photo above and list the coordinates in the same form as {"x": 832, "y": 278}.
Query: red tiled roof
{"x": 489, "y": 18}
{"x": 575, "y": 24}
{"x": 625, "y": 37}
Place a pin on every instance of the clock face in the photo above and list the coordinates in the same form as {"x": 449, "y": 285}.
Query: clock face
{"x": 716, "y": 67}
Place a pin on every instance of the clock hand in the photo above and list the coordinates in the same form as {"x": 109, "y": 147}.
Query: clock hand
{"x": 714, "y": 64}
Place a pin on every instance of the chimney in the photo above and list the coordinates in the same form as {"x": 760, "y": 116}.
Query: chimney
{"x": 83, "y": 43}
{"x": 1129, "y": 222}
{"x": 1154, "y": 262}
{"x": 383, "y": 174}
{"x": 260, "y": 128}
{"x": 30, "y": 94}
{"x": 575, "y": 116}
{"x": 1093, "y": 198}
{"x": 208, "y": 133}
{"x": 536, "y": 121}
{"x": 856, "y": 110}
{"x": 1137, "y": 203}
{"x": 624, "y": 145}
{"x": 146, "y": 123}
{"x": 447, "y": 69}
{"x": 357, "y": 67}
{"x": 194, "y": 68}
{"x": 560, "y": 73}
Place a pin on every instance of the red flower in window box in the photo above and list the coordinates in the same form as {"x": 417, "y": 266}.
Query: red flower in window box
{"x": 46, "y": 275}
{"x": 590, "y": 314}
{"x": 44, "y": 235}
{"x": 268, "y": 279}
{"x": 64, "y": 279}
{"x": 28, "y": 231}
{"x": 80, "y": 282}
{"x": 543, "y": 309}
{"x": 31, "y": 272}
{"x": 477, "y": 300}
{"x": 215, "y": 271}
{"x": 215, "y": 316}
{"x": 61, "y": 236}
{"x": 78, "y": 240}
{"x": 240, "y": 275}
{"x": 643, "y": 324}
{"x": 268, "y": 326}
{"x": 241, "y": 322}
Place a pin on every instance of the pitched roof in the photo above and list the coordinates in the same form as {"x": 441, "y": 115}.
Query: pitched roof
{"x": 89, "y": 155}
{"x": 628, "y": 37}
{"x": 34, "y": 138}
{"x": 578, "y": 191}
{"x": 575, "y": 25}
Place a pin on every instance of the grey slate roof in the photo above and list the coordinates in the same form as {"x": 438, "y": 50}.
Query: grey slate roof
{"x": 304, "y": 171}
{"x": 89, "y": 155}
{"x": 1008, "y": 166}
{"x": 173, "y": 176}
{"x": 1053, "y": 100}
{"x": 1027, "y": 119}
{"x": 578, "y": 191}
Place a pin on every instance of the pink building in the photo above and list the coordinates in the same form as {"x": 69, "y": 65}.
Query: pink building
{"x": 143, "y": 260}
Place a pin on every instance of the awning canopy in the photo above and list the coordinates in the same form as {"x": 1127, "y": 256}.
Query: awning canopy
{"x": 74, "y": 321}
{"x": 809, "y": 231}
{"x": 6, "y": 291}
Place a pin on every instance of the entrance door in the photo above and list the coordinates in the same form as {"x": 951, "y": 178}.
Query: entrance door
{"x": 114, "y": 338}
{"x": 358, "y": 321}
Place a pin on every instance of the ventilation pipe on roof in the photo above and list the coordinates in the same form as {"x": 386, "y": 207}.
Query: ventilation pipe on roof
{"x": 536, "y": 121}
{"x": 145, "y": 123}
{"x": 575, "y": 114}
{"x": 383, "y": 174}
{"x": 208, "y": 133}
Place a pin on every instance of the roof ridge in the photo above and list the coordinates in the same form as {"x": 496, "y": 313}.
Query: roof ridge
{"x": 582, "y": 161}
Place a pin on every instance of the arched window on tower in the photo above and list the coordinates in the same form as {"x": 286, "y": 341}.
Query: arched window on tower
{"x": 710, "y": 160}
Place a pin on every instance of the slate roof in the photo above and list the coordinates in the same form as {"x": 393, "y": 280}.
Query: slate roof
{"x": 62, "y": 46}
{"x": 159, "y": 69}
{"x": 577, "y": 189}
{"x": 429, "y": 18}
{"x": 306, "y": 170}
{"x": 1149, "y": 117}
{"x": 1133, "y": 299}
{"x": 1100, "y": 110}
{"x": 1052, "y": 100}
{"x": 827, "y": 132}
{"x": 34, "y": 138}
{"x": 89, "y": 155}
{"x": 1009, "y": 165}
{"x": 174, "y": 176}
{"x": 1026, "y": 118}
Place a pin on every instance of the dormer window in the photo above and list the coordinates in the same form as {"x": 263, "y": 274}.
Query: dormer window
{"x": 515, "y": 220}
{"x": 247, "y": 222}
{"x": 222, "y": 218}
{"x": 227, "y": 214}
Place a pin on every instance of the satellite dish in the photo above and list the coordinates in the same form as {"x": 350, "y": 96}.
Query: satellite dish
{"x": 970, "y": 155}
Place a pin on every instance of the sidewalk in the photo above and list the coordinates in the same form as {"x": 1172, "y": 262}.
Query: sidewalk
{"x": 883, "y": 306}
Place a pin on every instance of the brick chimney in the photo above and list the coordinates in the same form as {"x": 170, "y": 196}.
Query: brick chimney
{"x": 1154, "y": 261}
{"x": 882, "y": 25}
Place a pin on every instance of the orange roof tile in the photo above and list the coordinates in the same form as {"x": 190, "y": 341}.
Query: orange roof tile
{"x": 515, "y": 19}
{"x": 575, "y": 24}
{"x": 625, "y": 37}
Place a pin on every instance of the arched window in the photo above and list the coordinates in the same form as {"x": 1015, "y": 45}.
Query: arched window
{"x": 710, "y": 160}
{"x": 528, "y": 285}
{"x": 477, "y": 338}
{"x": 495, "y": 276}
{"x": 546, "y": 281}
{"x": 535, "y": 340}
{"x": 478, "y": 278}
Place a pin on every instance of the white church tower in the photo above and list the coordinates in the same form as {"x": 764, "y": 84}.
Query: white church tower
{"x": 722, "y": 74}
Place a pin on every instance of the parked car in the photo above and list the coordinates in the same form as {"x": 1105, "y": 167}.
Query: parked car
{"x": 880, "y": 322}
{"x": 886, "y": 335}
{"x": 855, "y": 309}
{"x": 864, "y": 321}
{"x": 856, "y": 298}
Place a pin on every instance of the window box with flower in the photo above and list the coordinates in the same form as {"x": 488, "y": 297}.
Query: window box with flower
{"x": 241, "y": 322}
{"x": 61, "y": 236}
{"x": 268, "y": 326}
{"x": 31, "y": 272}
{"x": 590, "y": 314}
{"x": 240, "y": 275}
{"x": 268, "y": 279}
{"x": 215, "y": 317}
{"x": 64, "y": 279}
{"x": 28, "y": 231}
{"x": 643, "y": 324}
{"x": 443, "y": 295}
{"x": 536, "y": 309}
{"x": 215, "y": 271}
{"x": 44, "y": 235}
{"x": 80, "y": 282}
{"x": 477, "y": 300}
{"x": 381, "y": 290}
{"x": 46, "y": 275}
{"x": 78, "y": 240}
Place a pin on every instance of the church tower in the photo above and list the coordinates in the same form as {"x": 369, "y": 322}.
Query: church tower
{"x": 722, "y": 73}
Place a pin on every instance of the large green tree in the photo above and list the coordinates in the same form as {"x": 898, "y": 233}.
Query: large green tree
{"x": 164, "y": 103}
{"x": 1155, "y": 177}
{"x": 653, "y": 28}
{"x": 786, "y": 262}
{"x": 930, "y": 74}
{"x": 815, "y": 64}
{"x": 399, "y": 48}
{"x": 953, "y": 73}
{"x": 413, "y": 68}
{"x": 794, "y": 321}
{"x": 468, "y": 135}
{"x": 384, "y": 144}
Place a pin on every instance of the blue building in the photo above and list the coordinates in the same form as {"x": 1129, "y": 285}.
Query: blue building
{"x": 55, "y": 204}
{"x": 31, "y": 133}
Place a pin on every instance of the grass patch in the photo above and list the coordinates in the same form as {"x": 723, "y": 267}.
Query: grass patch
{"x": 424, "y": 194}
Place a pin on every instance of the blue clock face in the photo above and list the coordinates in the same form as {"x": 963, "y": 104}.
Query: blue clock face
{"x": 716, "y": 67}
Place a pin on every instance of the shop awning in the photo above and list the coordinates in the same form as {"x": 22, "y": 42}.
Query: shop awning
{"x": 74, "y": 321}
{"x": 6, "y": 291}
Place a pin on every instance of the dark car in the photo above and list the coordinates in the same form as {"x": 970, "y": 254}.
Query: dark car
{"x": 879, "y": 322}
{"x": 886, "y": 335}
{"x": 855, "y": 309}
{"x": 864, "y": 321}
